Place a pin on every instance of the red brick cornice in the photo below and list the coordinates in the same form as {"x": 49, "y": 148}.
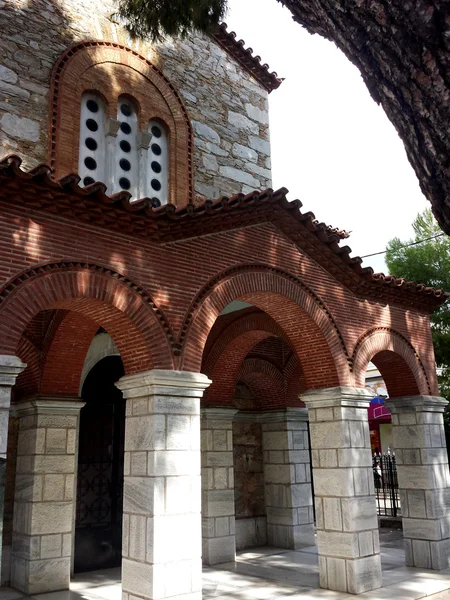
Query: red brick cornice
{"x": 38, "y": 189}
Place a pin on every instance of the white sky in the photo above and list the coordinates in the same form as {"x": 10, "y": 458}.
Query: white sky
{"x": 332, "y": 146}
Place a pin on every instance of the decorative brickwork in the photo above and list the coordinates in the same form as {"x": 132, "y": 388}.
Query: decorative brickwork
{"x": 392, "y": 354}
{"x": 275, "y": 292}
{"x": 112, "y": 70}
{"x": 100, "y": 296}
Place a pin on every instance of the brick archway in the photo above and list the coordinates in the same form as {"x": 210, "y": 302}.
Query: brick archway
{"x": 307, "y": 325}
{"x": 102, "y": 298}
{"x": 397, "y": 361}
{"x": 265, "y": 381}
{"x": 247, "y": 324}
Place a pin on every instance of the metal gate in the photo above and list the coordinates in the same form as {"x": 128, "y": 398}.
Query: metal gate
{"x": 386, "y": 485}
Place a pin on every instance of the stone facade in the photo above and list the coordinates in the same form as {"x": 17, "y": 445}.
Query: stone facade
{"x": 44, "y": 494}
{"x": 423, "y": 478}
{"x": 10, "y": 368}
{"x": 346, "y": 517}
{"x": 162, "y": 485}
{"x": 287, "y": 476}
{"x": 218, "y": 512}
{"x": 251, "y": 521}
{"x": 227, "y": 107}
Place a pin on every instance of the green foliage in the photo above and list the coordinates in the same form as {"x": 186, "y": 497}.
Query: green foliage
{"x": 157, "y": 18}
{"x": 428, "y": 263}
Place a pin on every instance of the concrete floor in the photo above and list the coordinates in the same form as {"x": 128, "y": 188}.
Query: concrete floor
{"x": 271, "y": 574}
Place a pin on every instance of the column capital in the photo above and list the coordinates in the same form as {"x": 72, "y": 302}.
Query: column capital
{"x": 286, "y": 414}
{"x": 408, "y": 404}
{"x": 54, "y": 405}
{"x": 218, "y": 413}
{"x": 337, "y": 396}
{"x": 111, "y": 127}
{"x": 10, "y": 367}
{"x": 163, "y": 383}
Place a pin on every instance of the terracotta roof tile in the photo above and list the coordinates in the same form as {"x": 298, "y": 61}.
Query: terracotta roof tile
{"x": 245, "y": 57}
{"x": 165, "y": 224}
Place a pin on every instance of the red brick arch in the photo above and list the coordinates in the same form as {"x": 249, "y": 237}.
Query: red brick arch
{"x": 64, "y": 360}
{"x": 306, "y": 322}
{"x": 224, "y": 372}
{"x": 265, "y": 381}
{"x": 397, "y": 361}
{"x": 106, "y": 300}
{"x": 259, "y": 365}
{"x": 248, "y": 323}
{"x": 295, "y": 382}
{"x": 111, "y": 70}
{"x": 267, "y": 395}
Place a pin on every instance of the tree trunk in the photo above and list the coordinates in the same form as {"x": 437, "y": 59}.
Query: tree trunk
{"x": 402, "y": 48}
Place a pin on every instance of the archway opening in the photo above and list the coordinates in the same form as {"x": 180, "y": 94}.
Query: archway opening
{"x": 252, "y": 358}
{"x": 388, "y": 374}
{"x": 99, "y": 504}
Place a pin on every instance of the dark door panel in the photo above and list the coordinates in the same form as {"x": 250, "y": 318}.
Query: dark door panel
{"x": 98, "y": 534}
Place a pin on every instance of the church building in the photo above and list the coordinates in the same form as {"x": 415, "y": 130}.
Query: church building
{"x": 183, "y": 350}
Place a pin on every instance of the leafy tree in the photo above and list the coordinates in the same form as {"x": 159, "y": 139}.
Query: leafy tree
{"x": 428, "y": 262}
{"x": 156, "y": 18}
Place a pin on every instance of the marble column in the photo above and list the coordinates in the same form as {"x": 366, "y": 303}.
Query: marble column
{"x": 44, "y": 500}
{"x": 423, "y": 478}
{"x": 346, "y": 515}
{"x": 162, "y": 488}
{"x": 287, "y": 478}
{"x": 218, "y": 508}
{"x": 10, "y": 368}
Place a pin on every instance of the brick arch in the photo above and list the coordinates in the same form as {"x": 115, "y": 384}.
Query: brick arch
{"x": 261, "y": 366}
{"x": 306, "y": 322}
{"x": 224, "y": 371}
{"x": 104, "y": 299}
{"x": 397, "y": 361}
{"x": 112, "y": 70}
{"x": 265, "y": 391}
{"x": 265, "y": 381}
{"x": 247, "y": 323}
{"x": 295, "y": 382}
{"x": 64, "y": 360}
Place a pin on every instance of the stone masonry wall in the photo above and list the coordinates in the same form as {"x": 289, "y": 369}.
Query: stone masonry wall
{"x": 248, "y": 470}
{"x": 227, "y": 107}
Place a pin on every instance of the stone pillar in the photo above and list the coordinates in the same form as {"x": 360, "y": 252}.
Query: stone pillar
{"x": 10, "y": 368}
{"x": 162, "y": 488}
{"x": 287, "y": 478}
{"x": 45, "y": 494}
{"x": 423, "y": 478}
{"x": 218, "y": 509}
{"x": 346, "y": 515}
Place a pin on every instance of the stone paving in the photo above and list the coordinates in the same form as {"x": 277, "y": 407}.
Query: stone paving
{"x": 271, "y": 574}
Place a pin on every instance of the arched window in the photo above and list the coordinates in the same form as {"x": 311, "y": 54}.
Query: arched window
{"x": 117, "y": 153}
{"x": 128, "y": 171}
{"x": 140, "y": 143}
{"x": 91, "y": 160}
{"x": 158, "y": 163}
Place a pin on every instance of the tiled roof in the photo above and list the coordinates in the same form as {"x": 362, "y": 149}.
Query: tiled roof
{"x": 37, "y": 188}
{"x": 245, "y": 57}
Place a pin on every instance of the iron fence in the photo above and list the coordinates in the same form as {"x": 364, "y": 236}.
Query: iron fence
{"x": 386, "y": 485}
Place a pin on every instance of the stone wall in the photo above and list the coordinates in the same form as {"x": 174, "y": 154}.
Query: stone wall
{"x": 251, "y": 528}
{"x": 13, "y": 435}
{"x": 227, "y": 107}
